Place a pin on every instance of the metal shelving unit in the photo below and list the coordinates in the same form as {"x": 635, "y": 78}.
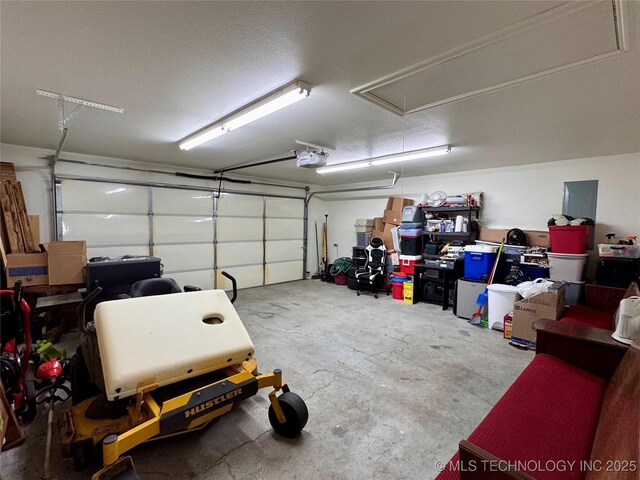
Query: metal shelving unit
{"x": 471, "y": 213}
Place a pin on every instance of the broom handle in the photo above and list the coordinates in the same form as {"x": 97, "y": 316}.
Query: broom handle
{"x": 495, "y": 264}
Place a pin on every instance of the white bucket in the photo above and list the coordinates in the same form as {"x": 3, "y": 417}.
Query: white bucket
{"x": 501, "y": 300}
{"x": 569, "y": 267}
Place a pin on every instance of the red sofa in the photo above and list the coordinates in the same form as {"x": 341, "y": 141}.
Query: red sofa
{"x": 602, "y": 303}
{"x": 559, "y": 407}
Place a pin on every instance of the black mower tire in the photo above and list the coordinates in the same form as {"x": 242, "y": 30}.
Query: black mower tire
{"x": 82, "y": 456}
{"x": 295, "y": 414}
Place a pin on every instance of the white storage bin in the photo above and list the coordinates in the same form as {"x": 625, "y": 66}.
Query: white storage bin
{"x": 569, "y": 267}
{"x": 501, "y": 300}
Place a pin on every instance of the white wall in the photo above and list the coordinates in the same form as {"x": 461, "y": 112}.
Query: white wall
{"x": 523, "y": 197}
{"x": 514, "y": 197}
{"x": 32, "y": 171}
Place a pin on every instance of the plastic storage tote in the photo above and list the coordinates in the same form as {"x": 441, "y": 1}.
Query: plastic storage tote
{"x": 569, "y": 239}
{"x": 569, "y": 267}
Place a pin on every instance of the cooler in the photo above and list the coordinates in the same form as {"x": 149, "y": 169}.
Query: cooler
{"x": 478, "y": 261}
{"x": 408, "y": 261}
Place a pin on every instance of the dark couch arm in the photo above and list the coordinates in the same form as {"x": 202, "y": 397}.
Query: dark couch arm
{"x": 478, "y": 464}
{"x": 590, "y": 349}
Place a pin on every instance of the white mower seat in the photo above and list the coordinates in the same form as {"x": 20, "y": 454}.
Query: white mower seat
{"x": 160, "y": 340}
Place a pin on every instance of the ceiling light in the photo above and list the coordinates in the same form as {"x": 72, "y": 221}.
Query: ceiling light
{"x": 413, "y": 155}
{"x": 283, "y": 97}
{"x": 387, "y": 159}
{"x": 343, "y": 166}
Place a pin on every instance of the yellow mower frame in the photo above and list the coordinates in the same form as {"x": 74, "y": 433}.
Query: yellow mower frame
{"x": 152, "y": 417}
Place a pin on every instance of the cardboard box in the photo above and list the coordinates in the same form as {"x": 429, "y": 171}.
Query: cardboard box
{"x": 29, "y": 268}
{"x": 398, "y": 203}
{"x": 537, "y": 238}
{"x": 67, "y": 261}
{"x": 526, "y": 311}
{"x": 393, "y": 217}
{"x": 386, "y": 236}
{"x": 508, "y": 325}
{"x": 492, "y": 234}
{"x": 378, "y": 223}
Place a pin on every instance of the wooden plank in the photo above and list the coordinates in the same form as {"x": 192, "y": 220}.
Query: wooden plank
{"x": 7, "y": 171}
{"x": 3, "y": 251}
{"x": 13, "y": 435}
{"x": 23, "y": 218}
{"x": 34, "y": 221}
{"x": 15, "y": 243}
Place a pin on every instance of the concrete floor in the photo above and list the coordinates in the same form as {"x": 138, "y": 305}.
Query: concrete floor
{"x": 391, "y": 389}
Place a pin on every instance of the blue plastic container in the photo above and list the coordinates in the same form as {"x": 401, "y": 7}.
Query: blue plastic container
{"x": 478, "y": 262}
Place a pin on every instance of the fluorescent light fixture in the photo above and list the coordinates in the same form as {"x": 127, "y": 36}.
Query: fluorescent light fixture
{"x": 274, "y": 101}
{"x": 387, "y": 159}
{"x": 413, "y": 155}
{"x": 342, "y": 167}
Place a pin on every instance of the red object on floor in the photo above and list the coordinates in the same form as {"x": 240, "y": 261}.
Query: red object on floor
{"x": 340, "y": 279}
{"x": 396, "y": 290}
{"x": 49, "y": 369}
{"x": 550, "y": 413}
{"x": 588, "y": 317}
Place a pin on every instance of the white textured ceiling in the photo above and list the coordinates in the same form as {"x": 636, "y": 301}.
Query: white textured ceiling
{"x": 177, "y": 66}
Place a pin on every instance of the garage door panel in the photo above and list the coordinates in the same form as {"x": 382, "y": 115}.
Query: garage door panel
{"x": 284, "y": 207}
{"x": 229, "y": 229}
{"x": 189, "y": 202}
{"x": 283, "y": 272}
{"x": 182, "y": 229}
{"x": 101, "y": 229}
{"x": 240, "y": 205}
{"x": 185, "y": 257}
{"x": 278, "y": 251}
{"x": 79, "y": 196}
{"x": 201, "y": 278}
{"x": 113, "y": 252}
{"x": 246, "y": 277}
{"x": 242, "y": 253}
{"x": 283, "y": 228}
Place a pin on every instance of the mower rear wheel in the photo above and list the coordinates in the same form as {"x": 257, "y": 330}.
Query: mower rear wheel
{"x": 295, "y": 414}
{"x": 82, "y": 456}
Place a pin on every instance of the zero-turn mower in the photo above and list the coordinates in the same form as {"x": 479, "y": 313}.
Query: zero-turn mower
{"x": 171, "y": 363}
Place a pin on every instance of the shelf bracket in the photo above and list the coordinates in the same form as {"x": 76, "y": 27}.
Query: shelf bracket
{"x": 80, "y": 102}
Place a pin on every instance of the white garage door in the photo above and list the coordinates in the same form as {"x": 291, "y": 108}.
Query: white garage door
{"x": 284, "y": 232}
{"x": 257, "y": 239}
{"x": 183, "y": 232}
{"x": 113, "y": 218}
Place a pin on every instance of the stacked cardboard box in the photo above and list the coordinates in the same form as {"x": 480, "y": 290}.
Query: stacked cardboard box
{"x": 535, "y": 238}
{"x": 391, "y": 218}
{"x": 66, "y": 261}
{"x": 61, "y": 263}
